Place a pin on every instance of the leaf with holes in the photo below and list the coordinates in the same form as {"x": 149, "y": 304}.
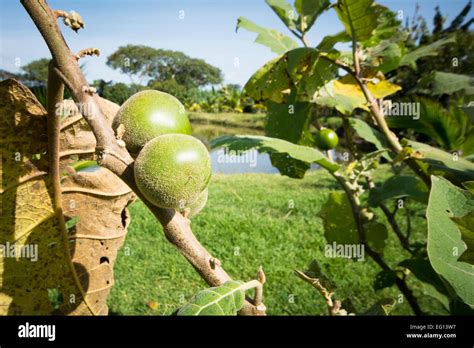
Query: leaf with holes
{"x": 77, "y": 264}
{"x": 360, "y": 18}
{"x": 226, "y": 299}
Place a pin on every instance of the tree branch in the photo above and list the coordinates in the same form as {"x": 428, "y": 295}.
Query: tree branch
{"x": 115, "y": 157}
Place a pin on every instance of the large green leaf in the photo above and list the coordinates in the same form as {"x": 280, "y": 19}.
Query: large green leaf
{"x": 449, "y": 128}
{"x": 439, "y": 82}
{"x": 455, "y": 168}
{"x": 433, "y": 286}
{"x": 271, "y": 38}
{"x": 301, "y": 68}
{"x": 309, "y": 11}
{"x": 444, "y": 238}
{"x": 466, "y": 227}
{"x": 284, "y": 11}
{"x": 328, "y": 42}
{"x": 226, "y": 299}
{"x": 432, "y": 49}
{"x": 360, "y": 17}
{"x": 399, "y": 187}
{"x": 290, "y": 121}
{"x": 273, "y": 145}
{"x": 376, "y": 236}
{"x": 338, "y": 220}
{"x": 370, "y": 134}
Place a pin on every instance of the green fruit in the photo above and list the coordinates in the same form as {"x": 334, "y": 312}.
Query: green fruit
{"x": 149, "y": 114}
{"x": 195, "y": 208}
{"x": 172, "y": 170}
{"x": 326, "y": 139}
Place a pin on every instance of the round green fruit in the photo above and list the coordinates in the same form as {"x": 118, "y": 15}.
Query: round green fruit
{"x": 172, "y": 170}
{"x": 326, "y": 139}
{"x": 149, "y": 114}
{"x": 195, "y": 208}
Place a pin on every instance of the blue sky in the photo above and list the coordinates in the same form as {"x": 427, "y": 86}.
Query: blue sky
{"x": 207, "y": 30}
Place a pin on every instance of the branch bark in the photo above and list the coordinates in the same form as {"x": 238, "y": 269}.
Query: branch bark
{"x": 113, "y": 156}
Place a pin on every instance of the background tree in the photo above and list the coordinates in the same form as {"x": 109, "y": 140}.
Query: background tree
{"x": 36, "y": 72}
{"x": 146, "y": 64}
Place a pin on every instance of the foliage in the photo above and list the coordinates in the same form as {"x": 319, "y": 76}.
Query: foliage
{"x": 301, "y": 80}
{"x": 226, "y": 299}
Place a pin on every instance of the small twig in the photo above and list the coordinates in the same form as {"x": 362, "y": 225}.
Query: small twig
{"x": 408, "y": 217}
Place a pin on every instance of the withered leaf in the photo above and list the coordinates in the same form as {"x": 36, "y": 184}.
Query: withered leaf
{"x": 76, "y": 267}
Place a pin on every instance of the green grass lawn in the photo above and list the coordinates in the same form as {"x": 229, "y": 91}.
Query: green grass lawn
{"x": 247, "y": 223}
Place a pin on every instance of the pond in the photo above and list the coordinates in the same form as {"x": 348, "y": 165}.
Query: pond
{"x": 225, "y": 163}
{"x": 251, "y": 162}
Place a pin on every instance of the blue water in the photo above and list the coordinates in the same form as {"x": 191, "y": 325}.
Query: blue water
{"x": 256, "y": 163}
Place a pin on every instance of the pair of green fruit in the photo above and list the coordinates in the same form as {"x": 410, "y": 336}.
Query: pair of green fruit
{"x": 172, "y": 169}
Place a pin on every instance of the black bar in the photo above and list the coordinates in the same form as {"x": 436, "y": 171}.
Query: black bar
{"x": 243, "y": 330}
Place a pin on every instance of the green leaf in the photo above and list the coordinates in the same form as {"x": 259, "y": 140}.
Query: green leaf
{"x": 338, "y": 220}
{"x": 466, "y": 226}
{"x": 370, "y": 134}
{"x": 449, "y": 128}
{"x": 360, "y": 18}
{"x": 432, "y": 285}
{"x": 455, "y": 168}
{"x": 384, "y": 57}
{"x": 381, "y": 308}
{"x": 439, "y": 82}
{"x": 290, "y": 122}
{"x": 269, "y": 82}
{"x": 329, "y": 41}
{"x": 315, "y": 271}
{"x": 421, "y": 268}
{"x": 284, "y": 11}
{"x": 444, "y": 239}
{"x": 300, "y": 68}
{"x": 399, "y": 187}
{"x": 273, "y": 145}
{"x": 384, "y": 279}
{"x": 376, "y": 235}
{"x": 309, "y": 11}
{"x": 432, "y": 49}
{"x": 226, "y": 299}
{"x": 469, "y": 185}
{"x": 271, "y": 38}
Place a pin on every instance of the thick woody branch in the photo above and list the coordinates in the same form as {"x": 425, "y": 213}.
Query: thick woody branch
{"x": 112, "y": 155}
